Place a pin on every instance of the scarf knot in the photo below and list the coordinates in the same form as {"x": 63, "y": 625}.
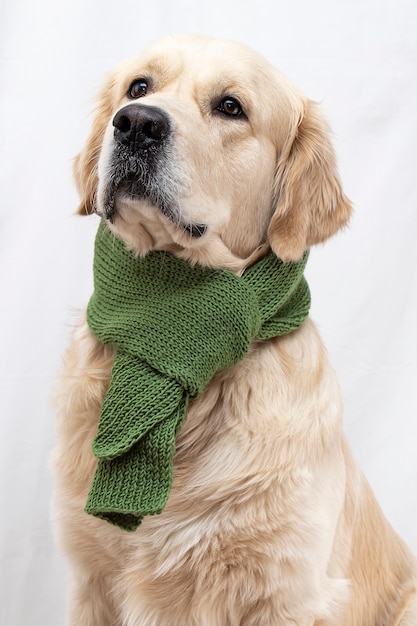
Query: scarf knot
{"x": 173, "y": 326}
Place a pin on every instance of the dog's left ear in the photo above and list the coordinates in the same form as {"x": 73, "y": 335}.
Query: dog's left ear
{"x": 311, "y": 205}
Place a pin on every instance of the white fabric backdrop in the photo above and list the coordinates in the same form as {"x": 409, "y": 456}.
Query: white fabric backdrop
{"x": 359, "y": 58}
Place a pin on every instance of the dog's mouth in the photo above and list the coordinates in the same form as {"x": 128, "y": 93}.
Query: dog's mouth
{"x": 132, "y": 178}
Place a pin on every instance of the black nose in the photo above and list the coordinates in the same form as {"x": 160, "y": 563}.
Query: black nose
{"x": 139, "y": 127}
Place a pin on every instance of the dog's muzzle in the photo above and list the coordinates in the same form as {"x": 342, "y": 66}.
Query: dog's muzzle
{"x": 140, "y": 162}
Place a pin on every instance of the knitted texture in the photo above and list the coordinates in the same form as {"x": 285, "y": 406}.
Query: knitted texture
{"x": 173, "y": 326}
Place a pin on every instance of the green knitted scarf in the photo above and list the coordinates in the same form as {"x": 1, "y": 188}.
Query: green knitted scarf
{"x": 173, "y": 326}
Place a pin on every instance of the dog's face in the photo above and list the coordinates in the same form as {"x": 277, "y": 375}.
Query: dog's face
{"x": 203, "y": 148}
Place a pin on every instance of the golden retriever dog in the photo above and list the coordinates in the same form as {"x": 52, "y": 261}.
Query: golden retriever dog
{"x": 269, "y": 521}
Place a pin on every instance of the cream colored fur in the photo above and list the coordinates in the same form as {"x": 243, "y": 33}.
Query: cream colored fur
{"x": 269, "y": 522}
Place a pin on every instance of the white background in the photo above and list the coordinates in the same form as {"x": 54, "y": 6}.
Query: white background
{"x": 359, "y": 58}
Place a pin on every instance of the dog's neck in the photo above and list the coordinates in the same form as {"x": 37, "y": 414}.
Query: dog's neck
{"x": 143, "y": 229}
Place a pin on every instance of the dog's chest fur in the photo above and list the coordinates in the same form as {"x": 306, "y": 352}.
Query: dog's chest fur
{"x": 251, "y": 483}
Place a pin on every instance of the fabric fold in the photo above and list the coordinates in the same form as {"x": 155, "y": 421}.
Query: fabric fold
{"x": 131, "y": 378}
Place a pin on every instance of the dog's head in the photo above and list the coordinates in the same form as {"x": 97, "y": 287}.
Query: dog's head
{"x": 203, "y": 148}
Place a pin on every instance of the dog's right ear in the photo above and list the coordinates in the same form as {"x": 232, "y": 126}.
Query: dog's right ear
{"x": 86, "y": 162}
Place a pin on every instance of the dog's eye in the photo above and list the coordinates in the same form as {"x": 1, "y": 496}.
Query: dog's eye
{"x": 230, "y": 107}
{"x": 138, "y": 89}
